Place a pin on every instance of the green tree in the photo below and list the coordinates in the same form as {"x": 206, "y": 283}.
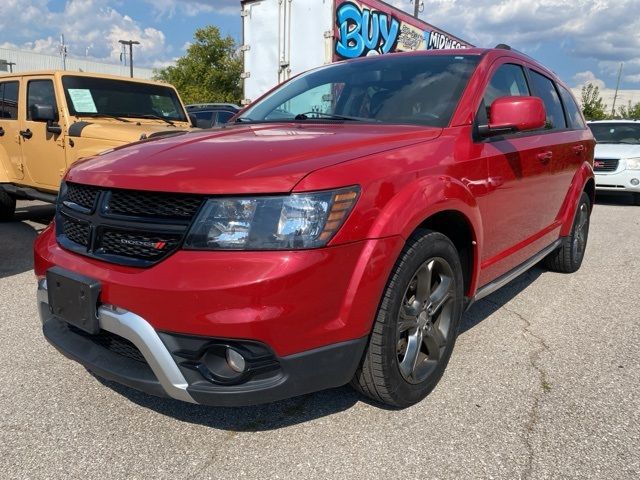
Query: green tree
{"x": 630, "y": 112}
{"x": 209, "y": 71}
{"x": 593, "y": 107}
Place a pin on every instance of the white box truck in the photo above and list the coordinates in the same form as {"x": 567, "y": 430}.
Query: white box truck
{"x": 282, "y": 38}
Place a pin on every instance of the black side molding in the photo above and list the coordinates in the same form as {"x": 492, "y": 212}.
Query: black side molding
{"x": 75, "y": 130}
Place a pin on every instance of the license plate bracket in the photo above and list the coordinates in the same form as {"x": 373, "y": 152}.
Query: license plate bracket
{"x": 73, "y": 298}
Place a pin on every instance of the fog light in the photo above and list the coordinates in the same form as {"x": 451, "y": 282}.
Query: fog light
{"x": 235, "y": 361}
{"x": 635, "y": 182}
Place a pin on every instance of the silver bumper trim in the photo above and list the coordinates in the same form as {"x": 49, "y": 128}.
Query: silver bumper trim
{"x": 139, "y": 332}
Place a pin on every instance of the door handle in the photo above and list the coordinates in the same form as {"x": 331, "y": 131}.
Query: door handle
{"x": 578, "y": 149}
{"x": 26, "y": 133}
{"x": 545, "y": 157}
{"x": 1, "y": 132}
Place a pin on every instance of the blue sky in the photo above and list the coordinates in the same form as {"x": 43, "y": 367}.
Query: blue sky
{"x": 582, "y": 40}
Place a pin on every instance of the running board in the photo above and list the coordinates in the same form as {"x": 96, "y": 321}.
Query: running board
{"x": 501, "y": 281}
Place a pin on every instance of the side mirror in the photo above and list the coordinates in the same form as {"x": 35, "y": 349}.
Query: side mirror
{"x": 514, "y": 114}
{"x": 193, "y": 120}
{"x": 43, "y": 113}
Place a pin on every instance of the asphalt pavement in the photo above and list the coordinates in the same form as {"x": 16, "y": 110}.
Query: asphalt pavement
{"x": 543, "y": 383}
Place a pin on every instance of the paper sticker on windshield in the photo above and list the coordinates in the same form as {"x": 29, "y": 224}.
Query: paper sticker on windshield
{"x": 82, "y": 100}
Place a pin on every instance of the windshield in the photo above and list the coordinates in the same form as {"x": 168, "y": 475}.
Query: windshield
{"x": 87, "y": 97}
{"x": 418, "y": 90}
{"x": 625, "y": 133}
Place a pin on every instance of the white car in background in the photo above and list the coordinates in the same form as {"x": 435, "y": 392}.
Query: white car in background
{"x": 617, "y": 157}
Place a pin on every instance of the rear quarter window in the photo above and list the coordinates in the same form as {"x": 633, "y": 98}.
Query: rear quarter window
{"x": 574, "y": 117}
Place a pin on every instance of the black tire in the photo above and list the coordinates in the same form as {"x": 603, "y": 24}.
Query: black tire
{"x": 402, "y": 377}
{"x": 568, "y": 257}
{"x": 7, "y": 206}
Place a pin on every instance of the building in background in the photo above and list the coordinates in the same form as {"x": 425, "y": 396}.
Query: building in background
{"x": 26, "y": 61}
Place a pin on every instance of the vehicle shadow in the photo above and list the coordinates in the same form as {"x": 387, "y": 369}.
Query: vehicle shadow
{"x": 619, "y": 199}
{"x": 17, "y": 236}
{"x": 309, "y": 407}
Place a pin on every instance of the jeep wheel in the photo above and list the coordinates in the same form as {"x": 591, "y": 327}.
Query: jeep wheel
{"x": 7, "y": 206}
{"x": 416, "y": 324}
{"x": 568, "y": 258}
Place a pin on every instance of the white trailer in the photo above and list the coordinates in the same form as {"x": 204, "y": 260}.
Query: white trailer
{"x": 282, "y": 38}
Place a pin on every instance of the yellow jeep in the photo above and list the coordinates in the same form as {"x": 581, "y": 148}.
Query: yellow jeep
{"x": 48, "y": 120}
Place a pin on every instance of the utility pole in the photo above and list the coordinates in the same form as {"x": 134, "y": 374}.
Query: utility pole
{"x": 615, "y": 96}
{"x": 418, "y": 6}
{"x": 63, "y": 52}
{"x": 131, "y": 43}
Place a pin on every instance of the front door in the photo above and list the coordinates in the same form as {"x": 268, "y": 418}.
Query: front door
{"x": 10, "y": 152}
{"x": 43, "y": 151}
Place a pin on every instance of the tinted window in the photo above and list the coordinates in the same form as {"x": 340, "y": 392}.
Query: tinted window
{"x": 422, "y": 90}
{"x": 40, "y": 92}
{"x": 612, "y": 132}
{"x": 88, "y": 97}
{"x": 507, "y": 81}
{"x": 9, "y": 101}
{"x": 224, "y": 117}
{"x": 546, "y": 90}
{"x": 571, "y": 108}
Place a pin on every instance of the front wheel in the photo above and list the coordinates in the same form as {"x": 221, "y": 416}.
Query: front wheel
{"x": 416, "y": 324}
{"x": 568, "y": 257}
{"x": 7, "y": 206}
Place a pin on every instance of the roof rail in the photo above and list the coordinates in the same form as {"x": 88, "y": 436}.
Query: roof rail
{"x": 503, "y": 46}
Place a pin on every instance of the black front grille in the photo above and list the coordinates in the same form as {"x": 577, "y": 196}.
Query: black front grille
{"x": 113, "y": 343}
{"x": 124, "y": 226}
{"x": 138, "y": 245}
{"x": 82, "y": 195}
{"x": 152, "y": 204}
{"x": 76, "y": 231}
{"x": 605, "y": 164}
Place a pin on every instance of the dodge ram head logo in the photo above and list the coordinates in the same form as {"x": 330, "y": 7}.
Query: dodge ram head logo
{"x": 142, "y": 243}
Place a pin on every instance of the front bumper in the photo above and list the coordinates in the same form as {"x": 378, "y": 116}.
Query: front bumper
{"x": 619, "y": 181}
{"x": 136, "y": 355}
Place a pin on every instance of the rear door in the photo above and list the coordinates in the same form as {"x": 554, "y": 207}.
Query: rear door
{"x": 10, "y": 152}
{"x": 43, "y": 152}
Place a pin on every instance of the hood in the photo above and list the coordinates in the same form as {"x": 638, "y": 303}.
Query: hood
{"x": 616, "y": 150}
{"x": 263, "y": 158}
{"x": 122, "y": 131}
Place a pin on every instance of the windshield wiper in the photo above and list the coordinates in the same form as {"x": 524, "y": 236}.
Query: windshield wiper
{"x": 152, "y": 116}
{"x": 243, "y": 120}
{"x": 331, "y": 116}
{"x": 105, "y": 115}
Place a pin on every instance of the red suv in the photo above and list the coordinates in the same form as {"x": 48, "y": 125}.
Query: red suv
{"x": 335, "y": 232}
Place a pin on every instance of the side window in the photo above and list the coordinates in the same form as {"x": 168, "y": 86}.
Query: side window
{"x": 224, "y": 117}
{"x": 546, "y": 90}
{"x": 508, "y": 81}
{"x": 9, "y": 101}
{"x": 571, "y": 108}
{"x": 40, "y": 92}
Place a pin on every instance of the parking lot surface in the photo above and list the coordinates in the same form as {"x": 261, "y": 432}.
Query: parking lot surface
{"x": 543, "y": 383}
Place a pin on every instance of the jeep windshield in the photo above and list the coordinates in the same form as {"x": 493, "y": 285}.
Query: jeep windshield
{"x": 390, "y": 89}
{"x": 104, "y": 97}
{"x": 617, "y": 133}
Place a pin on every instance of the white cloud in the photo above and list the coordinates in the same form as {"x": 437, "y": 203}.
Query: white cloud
{"x": 607, "y": 31}
{"x": 583, "y": 78}
{"x": 192, "y": 8}
{"x": 85, "y": 23}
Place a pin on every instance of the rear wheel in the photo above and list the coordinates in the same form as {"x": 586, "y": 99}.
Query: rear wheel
{"x": 568, "y": 258}
{"x": 416, "y": 325}
{"x": 7, "y": 206}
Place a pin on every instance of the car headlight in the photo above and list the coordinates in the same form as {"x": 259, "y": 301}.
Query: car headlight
{"x": 287, "y": 222}
{"x": 633, "y": 163}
